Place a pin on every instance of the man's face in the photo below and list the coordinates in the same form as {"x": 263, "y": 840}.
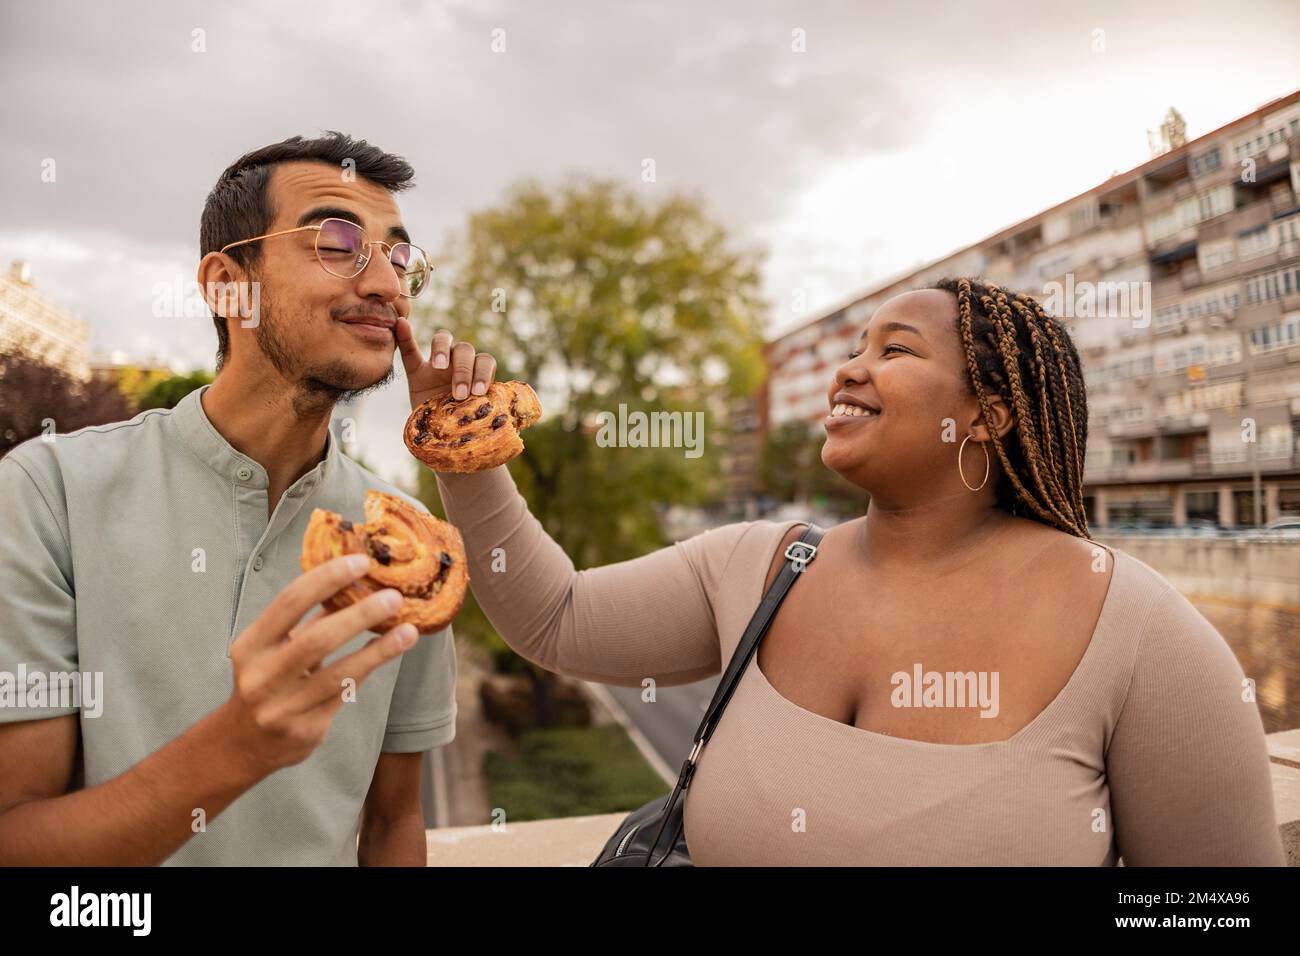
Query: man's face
{"x": 329, "y": 335}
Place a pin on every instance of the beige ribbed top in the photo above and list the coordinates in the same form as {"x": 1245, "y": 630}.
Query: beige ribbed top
{"x": 1149, "y": 751}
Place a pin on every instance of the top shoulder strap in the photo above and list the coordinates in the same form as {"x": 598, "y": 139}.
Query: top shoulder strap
{"x": 797, "y": 555}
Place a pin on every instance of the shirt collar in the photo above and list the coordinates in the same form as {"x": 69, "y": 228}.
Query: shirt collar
{"x": 211, "y": 447}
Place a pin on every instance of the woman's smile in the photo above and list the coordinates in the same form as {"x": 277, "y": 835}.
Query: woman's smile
{"x": 845, "y": 415}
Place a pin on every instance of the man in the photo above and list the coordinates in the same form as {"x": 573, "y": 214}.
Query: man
{"x": 163, "y": 554}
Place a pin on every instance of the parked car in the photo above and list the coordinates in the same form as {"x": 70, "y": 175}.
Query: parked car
{"x": 1286, "y": 528}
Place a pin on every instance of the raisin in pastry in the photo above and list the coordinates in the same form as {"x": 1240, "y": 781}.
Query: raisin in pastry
{"x": 410, "y": 550}
{"x": 473, "y": 434}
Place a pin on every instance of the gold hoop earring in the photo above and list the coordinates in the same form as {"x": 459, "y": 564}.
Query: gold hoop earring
{"x": 986, "y": 464}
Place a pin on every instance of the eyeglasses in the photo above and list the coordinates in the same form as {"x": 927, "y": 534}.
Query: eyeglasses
{"x": 343, "y": 250}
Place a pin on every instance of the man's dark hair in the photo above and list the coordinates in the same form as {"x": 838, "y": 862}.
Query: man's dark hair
{"x": 238, "y": 206}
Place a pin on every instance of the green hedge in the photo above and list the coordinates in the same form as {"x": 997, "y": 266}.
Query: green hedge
{"x": 569, "y": 772}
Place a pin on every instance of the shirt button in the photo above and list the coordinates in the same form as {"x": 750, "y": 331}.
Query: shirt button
{"x": 257, "y": 563}
{"x": 244, "y": 473}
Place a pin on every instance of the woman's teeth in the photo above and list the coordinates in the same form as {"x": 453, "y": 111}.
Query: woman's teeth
{"x": 857, "y": 411}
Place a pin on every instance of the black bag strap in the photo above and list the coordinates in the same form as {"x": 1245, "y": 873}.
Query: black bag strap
{"x": 797, "y": 555}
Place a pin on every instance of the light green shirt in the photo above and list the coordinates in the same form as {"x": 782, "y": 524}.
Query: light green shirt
{"x": 141, "y": 550}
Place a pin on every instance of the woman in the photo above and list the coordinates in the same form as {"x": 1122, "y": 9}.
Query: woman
{"x": 1109, "y": 719}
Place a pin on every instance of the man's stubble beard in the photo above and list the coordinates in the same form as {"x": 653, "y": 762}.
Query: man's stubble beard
{"x": 316, "y": 385}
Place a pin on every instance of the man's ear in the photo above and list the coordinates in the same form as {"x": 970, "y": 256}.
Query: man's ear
{"x": 219, "y": 284}
{"x": 227, "y": 291}
{"x": 1002, "y": 417}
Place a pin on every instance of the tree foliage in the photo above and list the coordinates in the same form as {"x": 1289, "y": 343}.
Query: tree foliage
{"x": 598, "y": 297}
{"x": 168, "y": 392}
{"x": 40, "y": 398}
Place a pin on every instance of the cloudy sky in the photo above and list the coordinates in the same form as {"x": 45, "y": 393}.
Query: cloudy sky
{"x": 896, "y": 134}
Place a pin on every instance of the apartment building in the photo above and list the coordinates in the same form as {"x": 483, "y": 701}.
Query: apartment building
{"x": 1180, "y": 283}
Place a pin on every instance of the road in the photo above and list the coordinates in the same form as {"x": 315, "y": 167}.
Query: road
{"x": 670, "y": 721}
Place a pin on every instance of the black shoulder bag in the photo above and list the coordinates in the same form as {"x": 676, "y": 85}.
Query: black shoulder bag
{"x": 653, "y": 835}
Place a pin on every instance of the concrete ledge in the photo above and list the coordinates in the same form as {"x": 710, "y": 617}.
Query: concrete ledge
{"x": 1284, "y": 748}
{"x": 1250, "y": 571}
{"x": 567, "y": 841}
{"x": 1284, "y": 753}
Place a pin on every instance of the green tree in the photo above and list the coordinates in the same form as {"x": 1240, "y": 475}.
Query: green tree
{"x": 598, "y": 296}
{"x": 168, "y": 392}
{"x": 134, "y": 382}
{"x": 790, "y": 469}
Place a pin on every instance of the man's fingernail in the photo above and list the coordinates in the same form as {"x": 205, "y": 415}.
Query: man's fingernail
{"x": 480, "y": 388}
{"x": 358, "y": 563}
{"x": 406, "y": 635}
{"x": 461, "y": 390}
{"x": 392, "y": 600}
{"x": 440, "y": 361}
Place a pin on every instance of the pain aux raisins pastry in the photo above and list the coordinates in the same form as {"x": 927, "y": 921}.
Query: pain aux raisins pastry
{"x": 475, "y": 433}
{"x": 414, "y": 552}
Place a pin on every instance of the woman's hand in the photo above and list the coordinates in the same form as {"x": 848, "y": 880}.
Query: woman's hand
{"x": 452, "y": 368}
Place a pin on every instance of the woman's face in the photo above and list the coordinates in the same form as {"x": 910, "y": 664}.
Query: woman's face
{"x": 910, "y": 370}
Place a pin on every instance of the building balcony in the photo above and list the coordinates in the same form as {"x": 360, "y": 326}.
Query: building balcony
{"x": 1238, "y": 464}
{"x": 1139, "y": 429}
{"x": 1173, "y": 247}
{"x": 1174, "y": 470}
{"x": 1104, "y": 474}
{"x": 1282, "y": 203}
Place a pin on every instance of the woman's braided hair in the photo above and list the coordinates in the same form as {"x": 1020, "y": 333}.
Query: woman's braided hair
{"x": 1014, "y": 348}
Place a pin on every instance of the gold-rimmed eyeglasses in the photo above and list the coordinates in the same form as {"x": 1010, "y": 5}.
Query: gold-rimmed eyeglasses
{"x": 343, "y": 250}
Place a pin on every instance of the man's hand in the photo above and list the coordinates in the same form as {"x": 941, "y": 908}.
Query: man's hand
{"x": 284, "y": 701}
{"x": 452, "y": 368}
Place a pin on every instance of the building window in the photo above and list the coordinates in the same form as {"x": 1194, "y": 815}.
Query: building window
{"x": 1244, "y": 503}
{"x": 1288, "y": 500}
{"x": 1281, "y": 335}
{"x": 1168, "y": 316}
{"x": 1215, "y": 255}
{"x": 1206, "y": 162}
{"x": 1254, "y": 242}
{"x": 1269, "y": 137}
{"x": 1083, "y": 217}
{"x": 1288, "y": 235}
{"x": 1202, "y": 506}
{"x": 1272, "y": 285}
{"x": 1153, "y": 511}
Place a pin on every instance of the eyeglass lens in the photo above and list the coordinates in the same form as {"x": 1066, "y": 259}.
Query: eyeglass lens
{"x": 342, "y": 249}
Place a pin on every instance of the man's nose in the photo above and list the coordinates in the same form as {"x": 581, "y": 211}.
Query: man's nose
{"x": 379, "y": 277}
